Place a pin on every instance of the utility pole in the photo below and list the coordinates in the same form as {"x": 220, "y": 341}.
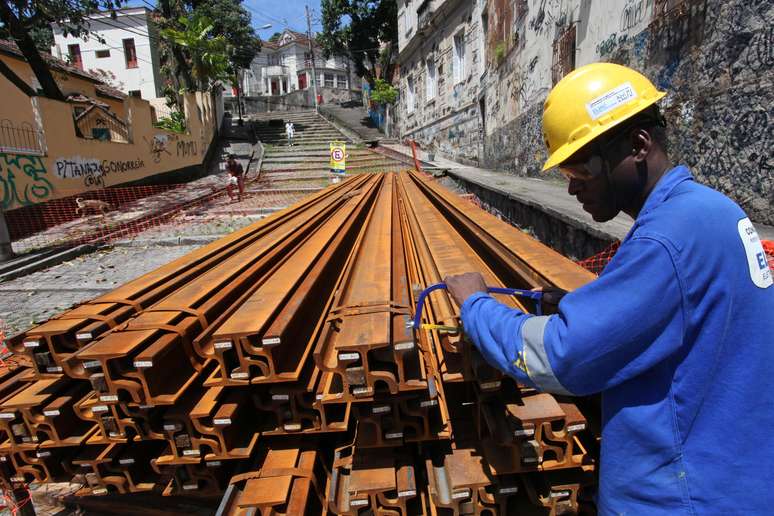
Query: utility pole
{"x": 311, "y": 53}
{"x": 6, "y": 252}
{"x": 238, "y": 84}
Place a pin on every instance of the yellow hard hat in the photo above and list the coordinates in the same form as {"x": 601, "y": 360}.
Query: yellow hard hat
{"x": 589, "y": 101}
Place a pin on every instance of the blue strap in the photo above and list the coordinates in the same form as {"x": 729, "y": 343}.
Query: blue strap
{"x": 530, "y": 294}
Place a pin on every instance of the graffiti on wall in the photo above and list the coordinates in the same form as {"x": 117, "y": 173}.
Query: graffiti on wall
{"x": 544, "y": 18}
{"x": 93, "y": 171}
{"x": 23, "y": 180}
{"x": 158, "y": 146}
{"x": 634, "y": 13}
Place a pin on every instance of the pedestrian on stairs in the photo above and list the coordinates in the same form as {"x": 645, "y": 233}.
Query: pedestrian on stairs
{"x": 290, "y": 131}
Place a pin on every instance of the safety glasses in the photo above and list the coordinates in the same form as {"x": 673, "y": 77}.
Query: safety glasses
{"x": 585, "y": 170}
{"x": 594, "y": 165}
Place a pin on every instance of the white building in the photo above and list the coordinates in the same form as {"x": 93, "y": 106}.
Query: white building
{"x": 125, "y": 48}
{"x": 286, "y": 65}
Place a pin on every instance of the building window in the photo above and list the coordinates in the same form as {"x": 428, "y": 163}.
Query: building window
{"x": 101, "y": 54}
{"x": 74, "y": 52}
{"x": 302, "y": 81}
{"x": 410, "y": 94}
{"x": 329, "y": 80}
{"x": 135, "y": 93}
{"x": 564, "y": 54}
{"x": 430, "y": 86}
{"x": 341, "y": 81}
{"x": 458, "y": 65}
{"x": 130, "y": 54}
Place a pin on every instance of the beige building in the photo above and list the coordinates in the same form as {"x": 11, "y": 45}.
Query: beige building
{"x": 440, "y": 56}
{"x": 97, "y": 138}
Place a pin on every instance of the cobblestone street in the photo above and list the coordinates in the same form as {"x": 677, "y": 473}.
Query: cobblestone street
{"x": 32, "y": 299}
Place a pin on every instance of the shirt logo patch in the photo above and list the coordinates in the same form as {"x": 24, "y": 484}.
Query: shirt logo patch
{"x": 760, "y": 273}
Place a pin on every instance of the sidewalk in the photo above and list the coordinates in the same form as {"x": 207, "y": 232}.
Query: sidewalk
{"x": 547, "y": 196}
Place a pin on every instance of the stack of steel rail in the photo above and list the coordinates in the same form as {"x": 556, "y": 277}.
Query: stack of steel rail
{"x": 278, "y": 368}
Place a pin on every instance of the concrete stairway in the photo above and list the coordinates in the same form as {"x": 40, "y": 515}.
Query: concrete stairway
{"x": 307, "y": 161}
{"x": 310, "y": 129}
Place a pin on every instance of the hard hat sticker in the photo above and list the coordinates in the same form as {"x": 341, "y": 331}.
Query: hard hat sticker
{"x": 611, "y": 100}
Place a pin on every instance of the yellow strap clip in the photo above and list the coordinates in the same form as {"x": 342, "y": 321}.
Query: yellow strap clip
{"x": 441, "y": 327}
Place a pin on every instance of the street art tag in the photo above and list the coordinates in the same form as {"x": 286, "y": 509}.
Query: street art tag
{"x": 23, "y": 181}
{"x": 612, "y": 99}
{"x": 760, "y": 273}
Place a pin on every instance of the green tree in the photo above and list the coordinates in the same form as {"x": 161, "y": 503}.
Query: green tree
{"x": 208, "y": 55}
{"x": 232, "y": 21}
{"x": 358, "y": 29}
{"x": 229, "y": 19}
{"x": 384, "y": 92}
{"x": 42, "y": 35}
{"x": 275, "y": 37}
{"x": 24, "y": 21}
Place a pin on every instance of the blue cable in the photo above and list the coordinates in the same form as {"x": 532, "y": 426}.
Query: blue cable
{"x": 530, "y": 294}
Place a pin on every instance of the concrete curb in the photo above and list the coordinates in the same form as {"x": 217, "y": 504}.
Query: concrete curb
{"x": 50, "y": 261}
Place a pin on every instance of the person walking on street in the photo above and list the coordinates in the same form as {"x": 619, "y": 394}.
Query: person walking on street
{"x": 677, "y": 333}
{"x": 236, "y": 177}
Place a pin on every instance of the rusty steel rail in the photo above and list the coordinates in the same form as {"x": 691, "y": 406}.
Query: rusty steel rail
{"x": 377, "y": 481}
{"x": 369, "y": 344}
{"x": 134, "y": 360}
{"x": 267, "y": 339}
{"x": 533, "y": 431}
{"x": 284, "y": 480}
{"x": 52, "y": 344}
{"x": 280, "y": 366}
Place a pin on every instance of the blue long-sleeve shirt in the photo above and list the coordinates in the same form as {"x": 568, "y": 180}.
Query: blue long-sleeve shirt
{"x": 678, "y": 335}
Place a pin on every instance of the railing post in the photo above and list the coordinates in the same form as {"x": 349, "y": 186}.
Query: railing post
{"x": 6, "y": 252}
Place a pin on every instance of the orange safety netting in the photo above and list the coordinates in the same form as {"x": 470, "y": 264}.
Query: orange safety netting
{"x": 129, "y": 211}
{"x": 768, "y": 248}
{"x": 26, "y": 221}
{"x": 597, "y": 262}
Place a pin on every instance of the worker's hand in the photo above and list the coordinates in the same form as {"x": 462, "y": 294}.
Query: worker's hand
{"x": 551, "y": 298}
{"x": 462, "y": 286}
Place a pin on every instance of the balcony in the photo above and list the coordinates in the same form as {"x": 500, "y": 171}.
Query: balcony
{"x": 276, "y": 70}
{"x": 424, "y": 15}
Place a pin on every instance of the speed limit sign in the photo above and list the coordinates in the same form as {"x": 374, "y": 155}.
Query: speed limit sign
{"x": 338, "y": 157}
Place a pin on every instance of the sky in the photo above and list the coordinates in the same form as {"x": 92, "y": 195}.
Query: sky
{"x": 278, "y": 13}
{"x": 282, "y": 12}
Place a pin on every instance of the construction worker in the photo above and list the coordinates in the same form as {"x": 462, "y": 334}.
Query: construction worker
{"x": 677, "y": 333}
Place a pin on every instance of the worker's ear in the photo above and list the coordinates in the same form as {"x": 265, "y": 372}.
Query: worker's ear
{"x": 642, "y": 143}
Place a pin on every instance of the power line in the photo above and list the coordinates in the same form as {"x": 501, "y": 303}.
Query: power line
{"x": 128, "y": 26}
{"x": 127, "y": 29}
